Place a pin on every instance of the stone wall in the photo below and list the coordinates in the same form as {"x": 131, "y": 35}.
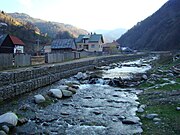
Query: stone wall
{"x": 14, "y": 83}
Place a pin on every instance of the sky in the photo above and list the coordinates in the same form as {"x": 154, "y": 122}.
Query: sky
{"x": 86, "y": 14}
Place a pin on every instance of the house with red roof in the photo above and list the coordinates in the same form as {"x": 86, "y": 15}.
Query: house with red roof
{"x": 11, "y": 44}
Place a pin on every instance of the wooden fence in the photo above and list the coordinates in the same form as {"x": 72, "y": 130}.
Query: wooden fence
{"x": 20, "y": 60}
{"x": 6, "y": 60}
{"x": 14, "y": 60}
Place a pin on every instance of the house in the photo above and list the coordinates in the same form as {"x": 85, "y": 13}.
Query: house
{"x": 111, "y": 47}
{"x": 91, "y": 42}
{"x": 11, "y": 44}
{"x": 47, "y": 48}
{"x": 63, "y": 45}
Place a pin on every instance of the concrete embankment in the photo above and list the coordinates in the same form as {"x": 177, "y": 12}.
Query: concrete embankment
{"x": 19, "y": 81}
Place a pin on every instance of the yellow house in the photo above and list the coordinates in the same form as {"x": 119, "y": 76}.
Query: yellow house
{"x": 91, "y": 43}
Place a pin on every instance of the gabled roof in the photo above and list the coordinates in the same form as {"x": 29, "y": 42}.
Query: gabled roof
{"x": 91, "y": 38}
{"x": 80, "y": 39}
{"x": 63, "y": 43}
{"x": 16, "y": 40}
{"x": 96, "y": 38}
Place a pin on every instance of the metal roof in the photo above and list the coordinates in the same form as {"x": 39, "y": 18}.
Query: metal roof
{"x": 95, "y": 38}
{"x": 63, "y": 43}
{"x": 80, "y": 39}
{"x": 91, "y": 38}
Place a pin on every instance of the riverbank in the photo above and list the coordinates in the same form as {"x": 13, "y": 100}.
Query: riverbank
{"x": 161, "y": 96}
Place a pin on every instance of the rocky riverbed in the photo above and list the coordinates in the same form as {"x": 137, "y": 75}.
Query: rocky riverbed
{"x": 103, "y": 101}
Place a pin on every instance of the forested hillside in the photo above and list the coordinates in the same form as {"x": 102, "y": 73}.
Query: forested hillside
{"x": 26, "y": 31}
{"x": 49, "y": 28}
{"x": 160, "y": 31}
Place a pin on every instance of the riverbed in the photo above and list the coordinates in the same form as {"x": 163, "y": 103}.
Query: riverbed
{"x": 96, "y": 108}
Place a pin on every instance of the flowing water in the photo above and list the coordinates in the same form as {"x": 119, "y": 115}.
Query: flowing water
{"x": 96, "y": 109}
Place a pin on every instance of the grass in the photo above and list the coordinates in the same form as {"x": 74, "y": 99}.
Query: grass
{"x": 169, "y": 124}
{"x": 169, "y": 87}
{"x": 150, "y": 84}
{"x": 170, "y": 117}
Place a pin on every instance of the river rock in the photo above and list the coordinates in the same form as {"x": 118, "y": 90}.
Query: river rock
{"x": 178, "y": 108}
{"x": 170, "y": 75}
{"x": 63, "y": 87}
{"x": 130, "y": 121}
{"x": 156, "y": 119}
{"x": 75, "y": 86}
{"x": 151, "y": 116}
{"x": 67, "y": 93}
{"x": 9, "y": 118}
{"x": 57, "y": 93}
{"x": 144, "y": 77}
{"x": 140, "y": 110}
{"x": 39, "y": 98}
{"x": 22, "y": 121}
{"x": 116, "y": 82}
{"x": 5, "y": 128}
{"x": 73, "y": 90}
{"x": 81, "y": 75}
{"x": 2, "y": 132}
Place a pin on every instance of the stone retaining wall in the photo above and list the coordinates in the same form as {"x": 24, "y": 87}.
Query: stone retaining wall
{"x": 14, "y": 83}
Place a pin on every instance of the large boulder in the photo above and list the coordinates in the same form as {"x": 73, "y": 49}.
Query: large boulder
{"x": 39, "y": 99}
{"x": 57, "y": 93}
{"x": 9, "y": 118}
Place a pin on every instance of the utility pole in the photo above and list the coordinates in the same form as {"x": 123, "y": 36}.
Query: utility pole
{"x": 38, "y": 46}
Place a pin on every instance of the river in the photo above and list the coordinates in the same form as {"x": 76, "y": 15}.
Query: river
{"x": 96, "y": 109}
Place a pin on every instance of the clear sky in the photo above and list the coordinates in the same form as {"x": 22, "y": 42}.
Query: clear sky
{"x": 86, "y": 14}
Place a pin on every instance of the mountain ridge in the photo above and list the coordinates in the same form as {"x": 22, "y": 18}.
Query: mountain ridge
{"x": 160, "y": 31}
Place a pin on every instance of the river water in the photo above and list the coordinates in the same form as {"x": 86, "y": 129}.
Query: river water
{"x": 96, "y": 109}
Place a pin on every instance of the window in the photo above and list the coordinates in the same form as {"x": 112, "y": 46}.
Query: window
{"x": 93, "y": 46}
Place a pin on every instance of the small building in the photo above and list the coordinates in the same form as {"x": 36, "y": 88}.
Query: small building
{"x": 11, "y": 44}
{"x": 46, "y": 48}
{"x": 63, "y": 45}
{"x": 91, "y": 43}
{"x": 111, "y": 48}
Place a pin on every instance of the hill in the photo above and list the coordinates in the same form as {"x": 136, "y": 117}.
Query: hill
{"x": 160, "y": 31}
{"x": 26, "y": 31}
{"x": 49, "y": 28}
{"x": 110, "y": 35}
